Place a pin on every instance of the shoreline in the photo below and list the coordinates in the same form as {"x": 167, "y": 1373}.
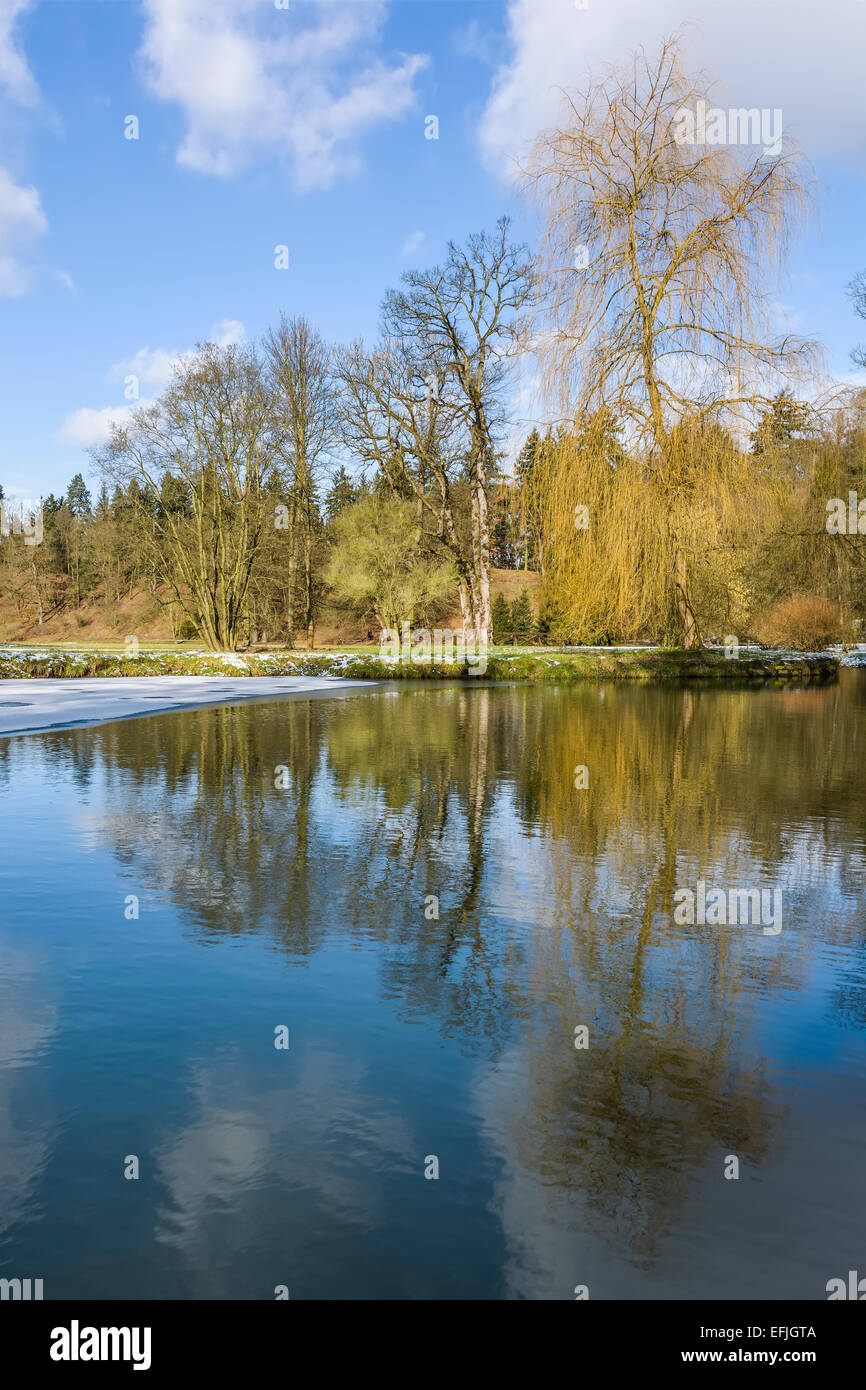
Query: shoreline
{"x": 525, "y": 665}
{"x": 45, "y": 692}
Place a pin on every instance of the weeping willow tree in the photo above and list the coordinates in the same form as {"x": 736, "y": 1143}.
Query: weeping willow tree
{"x": 622, "y": 534}
{"x": 657, "y": 263}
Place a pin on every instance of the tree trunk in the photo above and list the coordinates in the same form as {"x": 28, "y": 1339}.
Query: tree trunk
{"x": 38, "y": 589}
{"x": 309, "y": 622}
{"x": 688, "y": 622}
{"x": 290, "y": 585}
{"x": 482, "y": 619}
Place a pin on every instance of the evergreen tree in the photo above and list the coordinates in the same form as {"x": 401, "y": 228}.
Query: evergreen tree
{"x": 174, "y": 498}
{"x": 522, "y": 622}
{"x": 501, "y": 615}
{"x": 343, "y": 493}
{"x": 526, "y": 457}
{"x": 501, "y": 549}
{"x": 525, "y": 470}
{"x": 782, "y": 420}
{"x": 77, "y": 497}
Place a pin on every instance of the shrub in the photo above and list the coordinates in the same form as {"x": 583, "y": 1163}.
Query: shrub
{"x": 803, "y": 621}
{"x": 380, "y": 562}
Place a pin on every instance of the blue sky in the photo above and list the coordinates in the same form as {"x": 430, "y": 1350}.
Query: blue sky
{"x": 306, "y": 127}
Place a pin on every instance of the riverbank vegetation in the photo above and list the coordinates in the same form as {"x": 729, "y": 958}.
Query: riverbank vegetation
{"x": 499, "y": 664}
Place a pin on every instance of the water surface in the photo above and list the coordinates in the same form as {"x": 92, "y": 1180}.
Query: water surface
{"x": 430, "y": 906}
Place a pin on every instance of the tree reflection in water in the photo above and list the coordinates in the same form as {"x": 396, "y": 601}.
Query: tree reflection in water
{"x": 555, "y": 904}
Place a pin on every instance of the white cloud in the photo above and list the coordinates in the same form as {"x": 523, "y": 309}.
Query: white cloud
{"x": 303, "y": 84}
{"x": 413, "y": 244}
{"x": 16, "y": 79}
{"x": 22, "y": 222}
{"x": 153, "y": 369}
{"x": 152, "y": 366}
{"x": 227, "y": 333}
{"x": 86, "y": 427}
{"x": 808, "y": 61}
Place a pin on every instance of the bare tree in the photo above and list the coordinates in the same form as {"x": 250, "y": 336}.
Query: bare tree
{"x": 395, "y": 418}
{"x": 202, "y": 459}
{"x": 431, "y": 396}
{"x": 299, "y": 363}
{"x": 657, "y": 262}
{"x": 857, "y": 294}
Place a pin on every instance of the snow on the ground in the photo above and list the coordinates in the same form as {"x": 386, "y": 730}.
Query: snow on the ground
{"x": 27, "y": 706}
{"x": 853, "y": 656}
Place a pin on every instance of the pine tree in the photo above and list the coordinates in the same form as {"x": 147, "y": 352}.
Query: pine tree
{"x": 501, "y": 615}
{"x": 77, "y": 497}
{"x": 522, "y": 622}
{"x": 783, "y": 419}
{"x": 342, "y": 494}
{"x": 525, "y": 472}
{"x": 526, "y": 457}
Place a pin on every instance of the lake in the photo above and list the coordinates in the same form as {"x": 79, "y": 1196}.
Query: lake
{"x": 286, "y": 959}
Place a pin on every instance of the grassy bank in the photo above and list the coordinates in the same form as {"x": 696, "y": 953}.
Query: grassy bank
{"x": 502, "y": 665}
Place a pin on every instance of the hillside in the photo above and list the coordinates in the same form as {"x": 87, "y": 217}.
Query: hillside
{"x": 145, "y": 617}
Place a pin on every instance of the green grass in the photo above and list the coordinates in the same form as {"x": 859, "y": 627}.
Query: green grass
{"x": 359, "y": 663}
